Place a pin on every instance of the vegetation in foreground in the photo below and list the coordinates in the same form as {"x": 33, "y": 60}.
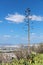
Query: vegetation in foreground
{"x": 33, "y": 59}
{"x": 23, "y": 58}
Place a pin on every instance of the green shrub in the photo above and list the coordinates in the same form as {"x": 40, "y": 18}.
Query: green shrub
{"x": 34, "y": 59}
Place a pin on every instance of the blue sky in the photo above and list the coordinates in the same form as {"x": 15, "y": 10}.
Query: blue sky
{"x": 13, "y": 29}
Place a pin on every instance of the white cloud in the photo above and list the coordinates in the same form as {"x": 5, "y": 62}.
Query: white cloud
{"x": 35, "y": 38}
{"x": 0, "y": 21}
{"x": 15, "y": 18}
{"x": 11, "y": 31}
{"x": 36, "y": 18}
{"x": 6, "y": 36}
